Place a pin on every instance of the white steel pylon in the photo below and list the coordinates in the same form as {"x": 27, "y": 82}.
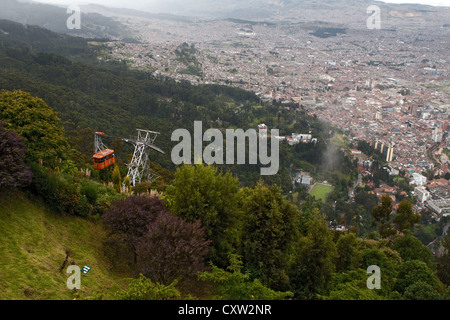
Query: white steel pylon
{"x": 98, "y": 143}
{"x": 139, "y": 168}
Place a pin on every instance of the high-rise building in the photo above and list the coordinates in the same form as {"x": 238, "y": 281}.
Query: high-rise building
{"x": 421, "y": 194}
{"x": 390, "y": 154}
{"x": 378, "y": 116}
{"x": 386, "y": 149}
{"x": 437, "y": 135}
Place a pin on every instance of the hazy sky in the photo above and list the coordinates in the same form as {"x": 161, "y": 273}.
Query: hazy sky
{"x": 136, "y": 4}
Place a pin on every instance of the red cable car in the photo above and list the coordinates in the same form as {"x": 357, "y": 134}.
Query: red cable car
{"x": 103, "y": 156}
{"x": 104, "y": 159}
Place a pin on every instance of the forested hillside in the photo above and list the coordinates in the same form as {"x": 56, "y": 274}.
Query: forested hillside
{"x": 55, "y": 18}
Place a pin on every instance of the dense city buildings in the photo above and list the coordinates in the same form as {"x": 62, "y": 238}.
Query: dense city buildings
{"x": 382, "y": 85}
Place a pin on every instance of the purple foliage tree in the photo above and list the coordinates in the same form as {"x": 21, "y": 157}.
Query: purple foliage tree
{"x": 14, "y": 173}
{"x": 128, "y": 220}
{"x": 172, "y": 249}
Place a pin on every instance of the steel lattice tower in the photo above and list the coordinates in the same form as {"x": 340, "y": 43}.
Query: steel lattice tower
{"x": 98, "y": 143}
{"x": 139, "y": 168}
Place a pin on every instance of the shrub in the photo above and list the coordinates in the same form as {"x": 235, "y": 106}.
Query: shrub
{"x": 59, "y": 191}
{"x": 13, "y": 171}
{"x": 90, "y": 192}
{"x": 233, "y": 284}
{"x": 172, "y": 249}
{"x": 128, "y": 219}
{"x": 144, "y": 289}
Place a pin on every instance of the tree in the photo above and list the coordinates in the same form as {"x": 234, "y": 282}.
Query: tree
{"x": 443, "y": 262}
{"x": 348, "y": 254}
{"x": 60, "y": 191}
{"x": 233, "y": 284}
{"x": 141, "y": 188}
{"x": 14, "y": 172}
{"x": 37, "y": 123}
{"x": 129, "y": 219}
{"x": 352, "y": 285}
{"x": 366, "y": 199}
{"x": 307, "y": 209}
{"x": 200, "y": 192}
{"x": 268, "y": 234}
{"x": 171, "y": 249}
{"x": 89, "y": 190}
{"x": 388, "y": 266}
{"x": 312, "y": 267}
{"x": 144, "y": 289}
{"x": 421, "y": 290}
{"x": 405, "y": 218}
{"x": 116, "y": 178}
{"x": 127, "y": 183}
{"x": 412, "y": 272}
{"x": 410, "y": 248}
{"x": 381, "y": 215}
{"x": 68, "y": 167}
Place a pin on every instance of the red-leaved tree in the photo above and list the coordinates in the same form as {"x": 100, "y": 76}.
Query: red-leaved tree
{"x": 14, "y": 172}
{"x": 172, "y": 249}
{"x": 128, "y": 220}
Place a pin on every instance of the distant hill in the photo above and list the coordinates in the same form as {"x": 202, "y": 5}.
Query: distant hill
{"x": 14, "y": 34}
{"x": 93, "y": 25}
{"x": 115, "y": 12}
{"x": 333, "y": 11}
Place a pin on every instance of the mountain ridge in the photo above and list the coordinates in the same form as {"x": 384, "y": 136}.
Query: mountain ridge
{"x": 55, "y": 18}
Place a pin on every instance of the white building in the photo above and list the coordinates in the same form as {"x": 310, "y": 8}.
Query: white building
{"x": 437, "y": 135}
{"x": 421, "y": 194}
{"x": 262, "y": 130}
{"x": 280, "y": 138}
{"x": 301, "y": 136}
{"x": 418, "y": 179}
{"x": 441, "y": 207}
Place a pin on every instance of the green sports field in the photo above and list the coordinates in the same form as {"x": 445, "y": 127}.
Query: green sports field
{"x": 320, "y": 191}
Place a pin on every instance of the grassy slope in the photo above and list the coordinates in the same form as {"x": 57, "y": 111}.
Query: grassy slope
{"x": 33, "y": 243}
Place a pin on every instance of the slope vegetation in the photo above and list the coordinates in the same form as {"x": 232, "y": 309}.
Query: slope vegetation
{"x": 35, "y": 242}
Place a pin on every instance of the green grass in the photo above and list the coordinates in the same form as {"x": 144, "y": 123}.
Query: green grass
{"x": 339, "y": 140}
{"x": 321, "y": 191}
{"x": 447, "y": 152}
{"x": 33, "y": 244}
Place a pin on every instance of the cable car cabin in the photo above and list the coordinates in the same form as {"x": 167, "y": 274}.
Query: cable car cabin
{"x": 104, "y": 159}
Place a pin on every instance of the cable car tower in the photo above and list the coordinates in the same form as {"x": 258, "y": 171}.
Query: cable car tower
{"x": 139, "y": 168}
{"x": 103, "y": 157}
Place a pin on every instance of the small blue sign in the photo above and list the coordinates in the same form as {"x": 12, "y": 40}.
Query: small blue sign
{"x": 85, "y": 269}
